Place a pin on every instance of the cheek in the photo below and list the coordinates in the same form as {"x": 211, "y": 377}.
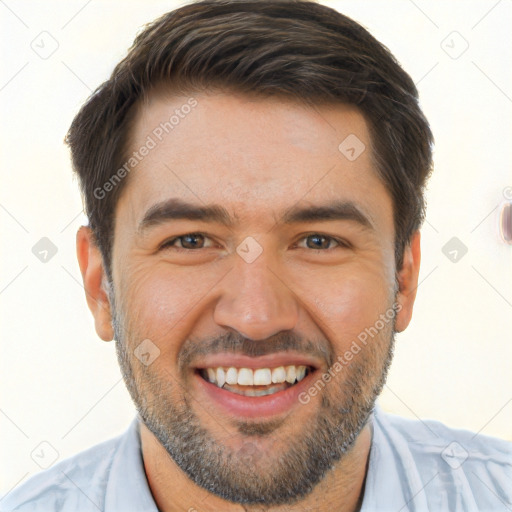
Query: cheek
{"x": 159, "y": 301}
{"x": 351, "y": 302}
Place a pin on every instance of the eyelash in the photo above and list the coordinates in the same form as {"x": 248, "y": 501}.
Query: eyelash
{"x": 169, "y": 243}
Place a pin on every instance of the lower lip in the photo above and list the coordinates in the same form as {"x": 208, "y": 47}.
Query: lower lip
{"x": 254, "y": 406}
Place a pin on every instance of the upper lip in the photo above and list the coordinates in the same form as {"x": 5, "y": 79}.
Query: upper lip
{"x": 275, "y": 360}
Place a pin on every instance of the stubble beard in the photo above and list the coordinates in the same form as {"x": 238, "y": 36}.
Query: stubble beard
{"x": 249, "y": 475}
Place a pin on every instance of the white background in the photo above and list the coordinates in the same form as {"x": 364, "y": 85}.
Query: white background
{"x": 61, "y": 384}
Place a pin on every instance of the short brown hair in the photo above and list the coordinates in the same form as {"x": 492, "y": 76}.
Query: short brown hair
{"x": 294, "y": 48}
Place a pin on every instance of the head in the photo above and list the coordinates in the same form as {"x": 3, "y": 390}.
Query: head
{"x": 253, "y": 173}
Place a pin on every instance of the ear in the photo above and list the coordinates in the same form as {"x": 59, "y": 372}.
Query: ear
{"x": 95, "y": 282}
{"x": 408, "y": 282}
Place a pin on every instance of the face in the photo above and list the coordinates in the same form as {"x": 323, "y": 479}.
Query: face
{"x": 250, "y": 255}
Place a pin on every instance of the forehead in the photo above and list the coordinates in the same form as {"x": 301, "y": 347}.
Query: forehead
{"x": 257, "y": 156}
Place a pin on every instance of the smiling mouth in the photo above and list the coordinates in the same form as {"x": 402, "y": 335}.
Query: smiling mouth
{"x": 255, "y": 382}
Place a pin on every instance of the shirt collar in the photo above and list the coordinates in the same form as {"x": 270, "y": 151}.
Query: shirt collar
{"x": 382, "y": 489}
{"x": 127, "y": 487}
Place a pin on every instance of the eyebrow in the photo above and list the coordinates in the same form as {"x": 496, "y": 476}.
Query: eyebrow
{"x": 177, "y": 209}
{"x": 337, "y": 210}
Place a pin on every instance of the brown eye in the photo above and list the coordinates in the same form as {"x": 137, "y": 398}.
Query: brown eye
{"x": 318, "y": 241}
{"x": 190, "y": 241}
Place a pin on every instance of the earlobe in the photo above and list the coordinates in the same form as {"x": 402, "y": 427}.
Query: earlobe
{"x": 94, "y": 278}
{"x": 408, "y": 282}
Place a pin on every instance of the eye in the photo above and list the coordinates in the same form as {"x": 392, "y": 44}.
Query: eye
{"x": 323, "y": 242}
{"x": 190, "y": 241}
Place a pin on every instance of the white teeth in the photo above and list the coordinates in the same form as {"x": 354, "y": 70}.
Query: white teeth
{"x": 245, "y": 377}
{"x": 291, "y": 374}
{"x": 301, "y": 373}
{"x": 226, "y": 377}
{"x": 250, "y": 391}
{"x": 262, "y": 377}
{"x": 232, "y": 376}
{"x": 278, "y": 375}
{"x": 221, "y": 377}
{"x": 211, "y": 374}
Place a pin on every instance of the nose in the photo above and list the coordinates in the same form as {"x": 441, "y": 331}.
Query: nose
{"x": 255, "y": 301}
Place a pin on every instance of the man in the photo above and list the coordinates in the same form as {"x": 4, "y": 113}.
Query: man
{"x": 253, "y": 174}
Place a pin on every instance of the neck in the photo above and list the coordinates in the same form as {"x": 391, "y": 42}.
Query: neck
{"x": 341, "y": 489}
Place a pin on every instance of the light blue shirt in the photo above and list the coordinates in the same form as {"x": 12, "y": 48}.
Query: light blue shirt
{"x": 414, "y": 466}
